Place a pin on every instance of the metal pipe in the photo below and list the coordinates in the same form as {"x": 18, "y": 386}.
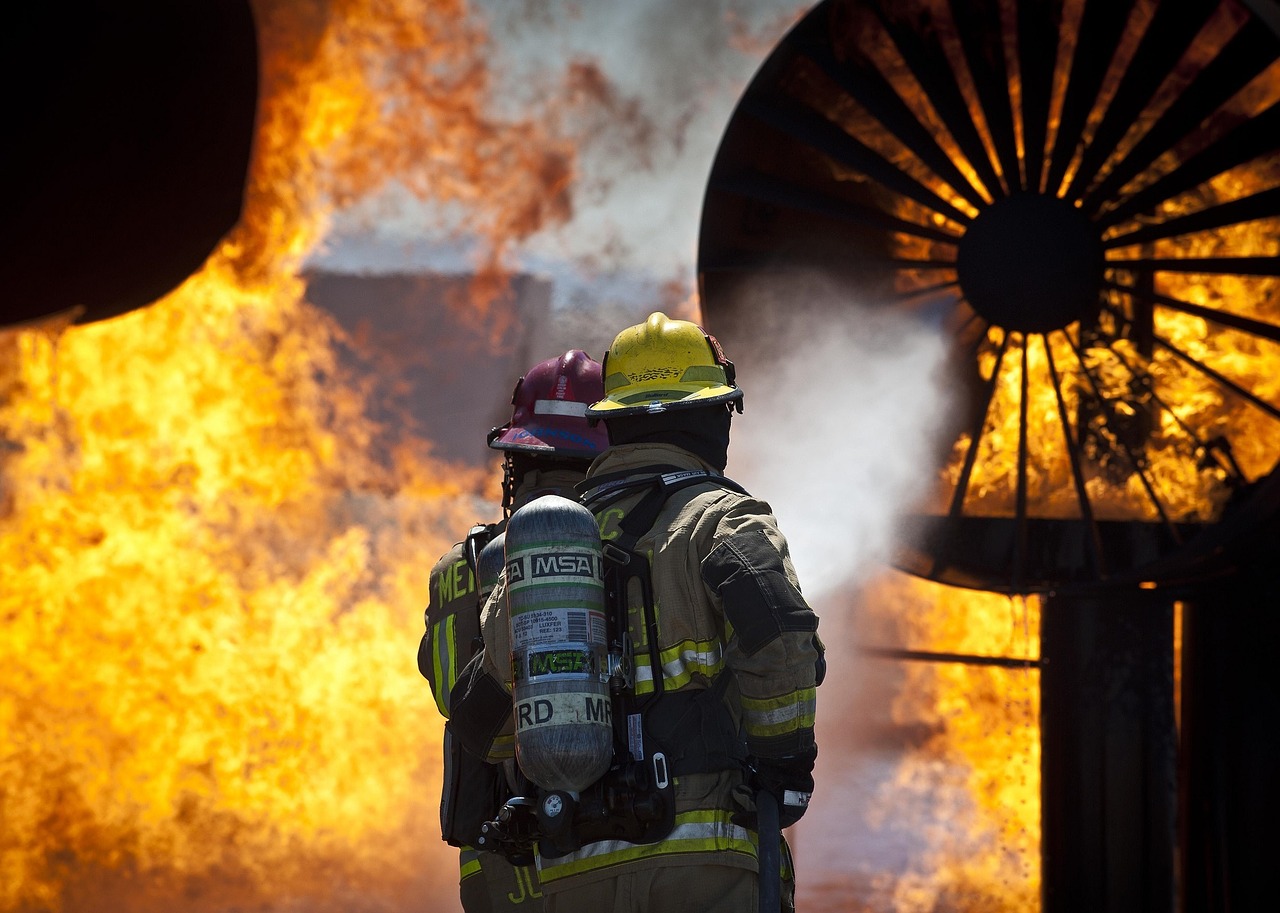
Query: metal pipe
{"x": 929, "y": 656}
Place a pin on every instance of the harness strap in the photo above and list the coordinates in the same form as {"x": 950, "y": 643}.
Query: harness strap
{"x": 622, "y": 561}
{"x": 477, "y": 538}
{"x": 601, "y": 491}
{"x": 694, "y": 727}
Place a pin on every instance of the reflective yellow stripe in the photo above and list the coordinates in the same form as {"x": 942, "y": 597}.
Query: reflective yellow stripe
{"x": 699, "y": 831}
{"x": 679, "y": 664}
{"x": 444, "y": 660}
{"x": 776, "y": 716}
{"x": 468, "y": 862}
{"x": 502, "y": 749}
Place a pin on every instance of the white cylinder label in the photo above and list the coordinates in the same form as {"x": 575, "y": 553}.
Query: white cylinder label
{"x": 563, "y": 708}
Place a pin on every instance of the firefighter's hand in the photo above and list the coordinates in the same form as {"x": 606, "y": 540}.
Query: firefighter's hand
{"x": 789, "y": 780}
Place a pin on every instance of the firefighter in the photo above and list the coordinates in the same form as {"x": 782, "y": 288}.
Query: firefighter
{"x": 728, "y": 690}
{"x": 547, "y": 446}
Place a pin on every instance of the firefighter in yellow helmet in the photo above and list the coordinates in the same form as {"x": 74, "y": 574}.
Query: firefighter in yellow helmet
{"x": 546, "y": 446}
{"x": 726, "y": 654}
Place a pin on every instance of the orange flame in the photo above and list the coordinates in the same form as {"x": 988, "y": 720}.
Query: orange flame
{"x": 215, "y": 562}
{"x": 974, "y": 780}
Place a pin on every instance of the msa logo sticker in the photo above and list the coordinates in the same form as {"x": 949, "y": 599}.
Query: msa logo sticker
{"x": 570, "y": 709}
{"x": 561, "y": 662}
{"x": 563, "y": 565}
{"x": 542, "y": 567}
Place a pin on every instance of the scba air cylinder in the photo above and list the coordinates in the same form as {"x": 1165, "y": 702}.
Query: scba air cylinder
{"x": 556, "y": 611}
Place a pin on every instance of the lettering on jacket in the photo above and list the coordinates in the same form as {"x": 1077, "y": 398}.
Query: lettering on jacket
{"x": 455, "y": 581}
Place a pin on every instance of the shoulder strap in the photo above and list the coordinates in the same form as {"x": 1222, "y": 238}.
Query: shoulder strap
{"x": 663, "y": 481}
{"x": 622, "y": 562}
{"x": 477, "y": 538}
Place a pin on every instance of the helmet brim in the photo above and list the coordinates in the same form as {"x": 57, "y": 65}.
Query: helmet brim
{"x": 548, "y": 439}
{"x": 662, "y": 399}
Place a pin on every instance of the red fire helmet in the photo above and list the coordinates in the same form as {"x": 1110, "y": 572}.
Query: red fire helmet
{"x": 550, "y": 415}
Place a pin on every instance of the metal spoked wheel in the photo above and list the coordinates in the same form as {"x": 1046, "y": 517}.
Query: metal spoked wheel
{"x": 1085, "y": 197}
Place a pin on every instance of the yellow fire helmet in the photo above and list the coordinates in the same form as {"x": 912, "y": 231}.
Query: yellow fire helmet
{"x": 661, "y": 365}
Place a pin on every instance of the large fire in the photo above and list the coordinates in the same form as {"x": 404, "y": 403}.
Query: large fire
{"x": 214, "y": 561}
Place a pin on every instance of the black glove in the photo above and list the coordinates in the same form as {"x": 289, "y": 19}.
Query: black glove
{"x": 789, "y": 780}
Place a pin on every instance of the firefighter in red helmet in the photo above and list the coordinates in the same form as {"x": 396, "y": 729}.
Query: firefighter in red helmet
{"x": 547, "y": 446}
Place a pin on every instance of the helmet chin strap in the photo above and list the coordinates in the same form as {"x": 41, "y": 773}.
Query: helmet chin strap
{"x": 508, "y": 483}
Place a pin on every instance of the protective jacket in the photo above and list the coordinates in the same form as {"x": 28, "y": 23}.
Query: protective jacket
{"x": 727, "y": 602}
{"x": 451, "y": 638}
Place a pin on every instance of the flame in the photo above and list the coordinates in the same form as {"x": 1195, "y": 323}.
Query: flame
{"x": 215, "y": 561}
{"x": 928, "y": 772}
{"x": 984, "y": 749}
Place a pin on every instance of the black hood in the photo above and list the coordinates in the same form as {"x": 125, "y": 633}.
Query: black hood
{"x": 704, "y": 432}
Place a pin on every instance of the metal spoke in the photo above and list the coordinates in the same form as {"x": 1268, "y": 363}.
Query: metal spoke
{"x": 1166, "y": 39}
{"x": 1101, "y": 27}
{"x": 1020, "y": 492}
{"x": 1249, "y": 52}
{"x": 772, "y": 190}
{"x": 860, "y": 80}
{"x": 980, "y": 421}
{"x": 924, "y": 55}
{"x": 956, "y": 509}
{"x": 1077, "y": 466}
{"x": 1134, "y": 462}
{"x": 740, "y": 260}
{"x": 820, "y": 134}
{"x": 912, "y": 294}
{"x": 1222, "y": 318}
{"x": 1219, "y": 378}
{"x": 982, "y": 39}
{"x": 1249, "y": 140}
{"x": 1223, "y": 266}
{"x": 1262, "y": 205}
{"x": 1038, "y": 27}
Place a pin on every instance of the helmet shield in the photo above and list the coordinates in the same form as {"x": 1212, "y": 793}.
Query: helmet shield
{"x": 550, "y": 410}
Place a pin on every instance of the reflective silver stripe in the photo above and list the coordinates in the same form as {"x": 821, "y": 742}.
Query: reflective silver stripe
{"x": 690, "y": 837}
{"x": 559, "y": 407}
{"x": 708, "y": 659}
{"x": 795, "y": 797}
{"x": 761, "y": 718}
{"x": 705, "y": 659}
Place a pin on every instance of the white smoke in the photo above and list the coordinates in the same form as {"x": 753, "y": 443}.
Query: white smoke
{"x": 846, "y": 403}
{"x": 847, "y": 411}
